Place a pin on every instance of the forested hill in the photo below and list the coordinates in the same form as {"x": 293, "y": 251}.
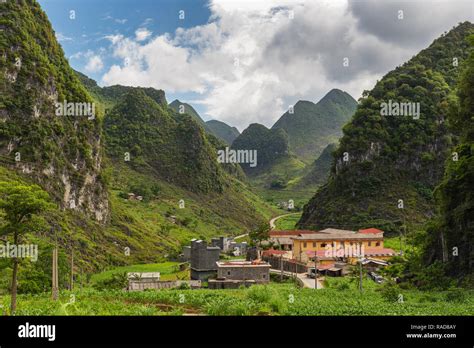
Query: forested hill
{"x": 386, "y": 167}
{"x": 270, "y": 146}
{"x": 223, "y": 131}
{"x": 311, "y": 127}
{"x": 451, "y": 233}
{"x": 157, "y": 138}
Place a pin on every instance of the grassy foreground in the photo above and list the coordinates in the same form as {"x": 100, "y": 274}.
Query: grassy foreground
{"x": 340, "y": 297}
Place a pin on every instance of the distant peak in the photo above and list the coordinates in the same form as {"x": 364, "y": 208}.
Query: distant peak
{"x": 335, "y": 92}
{"x": 338, "y": 95}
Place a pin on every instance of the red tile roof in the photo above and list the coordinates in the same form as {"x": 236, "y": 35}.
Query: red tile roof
{"x": 378, "y": 251}
{"x": 323, "y": 267}
{"x": 290, "y": 233}
{"x": 371, "y": 230}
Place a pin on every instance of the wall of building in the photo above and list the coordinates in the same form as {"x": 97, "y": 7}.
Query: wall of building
{"x": 229, "y": 284}
{"x": 288, "y": 265}
{"x": 204, "y": 257}
{"x": 301, "y": 246}
{"x": 143, "y": 285}
{"x": 259, "y": 274}
{"x": 202, "y": 275}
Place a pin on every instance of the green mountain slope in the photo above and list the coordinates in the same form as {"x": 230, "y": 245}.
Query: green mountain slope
{"x": 384, "y": 159}
{"x": 61, "y": 153}
{"x": 110, "y": 95}
{"x": 185, "y": 108}
{"x": 172, "y": 145}
{"x": 312, "y": 127}
{"x": 83, "y": 160}
{"x": 320, "y": 169}
{"x": 223, "y": 131}
{"x": 453, "y": 227}
{"x": 269, "y": 145}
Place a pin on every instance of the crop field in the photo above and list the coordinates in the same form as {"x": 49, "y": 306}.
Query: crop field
{"x": 340, "y": 297}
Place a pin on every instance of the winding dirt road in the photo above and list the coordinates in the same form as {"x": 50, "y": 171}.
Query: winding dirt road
{"x": 272, "y": 221}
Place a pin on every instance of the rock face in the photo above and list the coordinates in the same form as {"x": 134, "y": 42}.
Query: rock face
{"x": 386, "y": 166}
{"x": 58, "y": 147}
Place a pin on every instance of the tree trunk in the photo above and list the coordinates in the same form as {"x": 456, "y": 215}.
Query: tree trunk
{"x": 14, "y": 280}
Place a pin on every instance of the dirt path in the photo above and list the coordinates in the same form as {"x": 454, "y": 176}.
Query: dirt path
{"x": 272, "y": 221}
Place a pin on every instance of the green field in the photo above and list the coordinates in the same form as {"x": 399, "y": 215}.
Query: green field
{"x": 168, "y": 271}
{"x": 287, "y": 222}
{"x": 340, "y": 297}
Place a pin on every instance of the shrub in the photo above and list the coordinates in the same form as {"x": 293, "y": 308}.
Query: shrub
{"x": 116, "y": 281}
{"x": 455, "y": 295}
{"x": 259, "y": 293}
{"x": 391, "y": 292}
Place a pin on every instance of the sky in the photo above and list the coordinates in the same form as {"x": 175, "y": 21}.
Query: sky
{"x": 247, "y": 61}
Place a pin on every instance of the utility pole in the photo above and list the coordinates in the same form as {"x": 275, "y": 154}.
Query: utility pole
{"x": 315, "y": 271}
{"x": 71, "y": 286}
{"x": 55, "y": 283}
{"x": 401, "y": 234}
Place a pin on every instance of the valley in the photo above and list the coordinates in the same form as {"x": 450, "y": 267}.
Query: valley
{"x": 115, "y": 186}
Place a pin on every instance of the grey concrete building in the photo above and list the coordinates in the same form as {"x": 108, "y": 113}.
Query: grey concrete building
{"x": 258, "y": 271}
{"x": 222, "y": 242}
{"x": 203, "y": 260}
{"x": 238, "y": 248}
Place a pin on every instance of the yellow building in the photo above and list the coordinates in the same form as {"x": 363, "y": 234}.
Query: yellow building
{"x": 333, "y": 244}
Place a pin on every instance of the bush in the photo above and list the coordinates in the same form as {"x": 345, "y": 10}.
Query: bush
{"x": 391, "y": 293}
{"x": 455, "y": 295}
{"x": 117, "y": 281}
{"x": 342, "y": 286}
{"x": 259, "y": 293}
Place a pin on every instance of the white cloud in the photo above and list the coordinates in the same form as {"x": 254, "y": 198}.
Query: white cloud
{"x": 116, "y": 20}
{"x": 142, "y": 34}
{"x": 94, "y": 64}
{"x": 286, "y": 50}
{"x": 61, "y": 37}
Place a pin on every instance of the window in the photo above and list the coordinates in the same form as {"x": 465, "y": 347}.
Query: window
{"x": 323, "y": 245}
{"x": 304, "y": 245}
{"x": 314, "y": 244}
{"x": 228, "y": 273}
{"x": 370, "y": 243}
{"x": 377, "y": 244}
{"x": 264, "y": 276}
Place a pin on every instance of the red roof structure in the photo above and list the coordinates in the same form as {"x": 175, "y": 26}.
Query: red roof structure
{"x": 290, "y": 233}
{"x": 371, "y": 231}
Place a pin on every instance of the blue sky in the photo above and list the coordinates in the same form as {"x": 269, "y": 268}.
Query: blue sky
{"x": 248, "y": 61}
{"x": 96, "y": 19}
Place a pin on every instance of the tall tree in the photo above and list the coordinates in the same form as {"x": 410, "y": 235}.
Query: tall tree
{"x": 20, "y": 206}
